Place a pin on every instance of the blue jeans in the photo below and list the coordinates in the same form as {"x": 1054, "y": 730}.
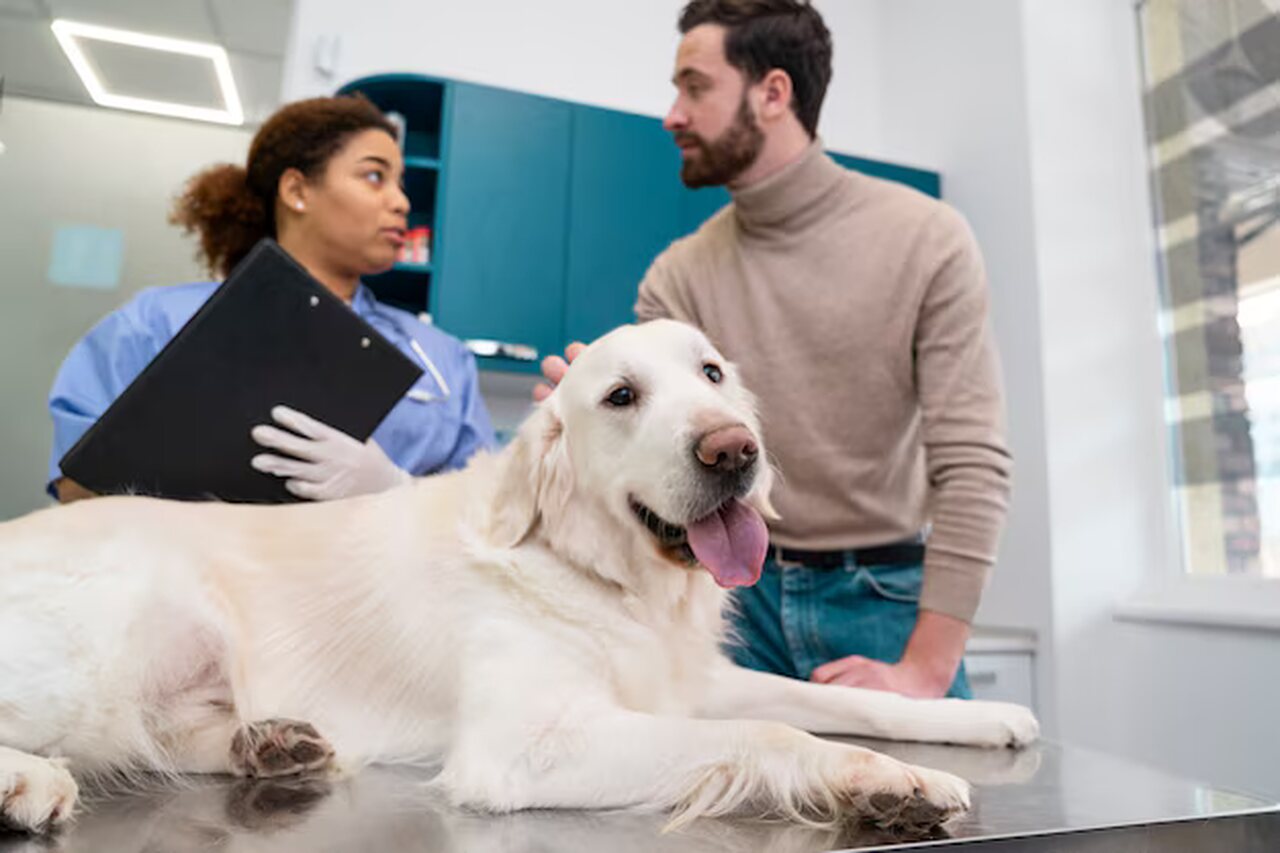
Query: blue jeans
{"x": 797, "y": 618}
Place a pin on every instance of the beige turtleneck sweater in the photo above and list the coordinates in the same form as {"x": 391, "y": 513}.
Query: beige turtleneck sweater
{"x": 856, "y": 310}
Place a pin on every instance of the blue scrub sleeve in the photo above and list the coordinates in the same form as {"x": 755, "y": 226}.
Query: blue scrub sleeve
{"x": 476, "y": 431}
{"x": 96, "y": 370}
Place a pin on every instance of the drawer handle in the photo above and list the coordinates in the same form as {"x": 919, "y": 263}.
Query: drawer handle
{"x": 982, "y": 677}
{"x": 490, "y": 349}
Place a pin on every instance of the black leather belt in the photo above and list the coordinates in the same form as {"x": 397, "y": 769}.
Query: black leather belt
{"x": 907, "y": 553}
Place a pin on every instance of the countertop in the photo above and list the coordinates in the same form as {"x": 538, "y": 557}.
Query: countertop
{"x": 1044, "y": 798}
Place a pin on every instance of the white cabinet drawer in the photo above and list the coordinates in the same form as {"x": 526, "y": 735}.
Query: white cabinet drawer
{"x": 1002, "y": 676}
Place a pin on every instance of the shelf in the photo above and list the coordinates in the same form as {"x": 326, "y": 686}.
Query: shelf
{"x": 404, "y": 286}
{"x": 420, "y": 100}
{"x": 414, "y": 268}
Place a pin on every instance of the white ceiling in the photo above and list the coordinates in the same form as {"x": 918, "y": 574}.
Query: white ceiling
{"x": 254, "y": 33}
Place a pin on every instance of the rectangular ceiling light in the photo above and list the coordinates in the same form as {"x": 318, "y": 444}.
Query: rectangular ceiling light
{"x": 68, "y": 33}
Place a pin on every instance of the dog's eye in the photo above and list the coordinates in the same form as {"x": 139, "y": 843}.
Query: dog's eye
{"x": 713, "y": 372}
{"x": 621, "y": 397}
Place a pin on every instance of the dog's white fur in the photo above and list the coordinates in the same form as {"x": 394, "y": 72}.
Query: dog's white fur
{"x": 514, "y": 621}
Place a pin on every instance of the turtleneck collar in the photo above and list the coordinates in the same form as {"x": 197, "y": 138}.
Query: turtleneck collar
{"x": 782, "y": 199}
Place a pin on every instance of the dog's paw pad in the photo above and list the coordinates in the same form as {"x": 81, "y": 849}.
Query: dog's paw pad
{"x": 920, "y": 814}
{"x": 911, "y": 799}
{"x": 278, "y": 748}
{"x": 38, "y": 795}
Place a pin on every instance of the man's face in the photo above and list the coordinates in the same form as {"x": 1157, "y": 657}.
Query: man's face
{"x": 711, "y": 120}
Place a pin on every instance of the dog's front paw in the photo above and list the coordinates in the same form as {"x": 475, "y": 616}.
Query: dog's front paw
{"x": 278, "y": 747}
{"x": 1000, "y": 724}
{"x": 36, "y": 794}
{"x": 902, "y": 797}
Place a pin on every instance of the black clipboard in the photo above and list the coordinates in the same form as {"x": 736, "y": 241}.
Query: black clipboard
{"x": 270, "y": 334}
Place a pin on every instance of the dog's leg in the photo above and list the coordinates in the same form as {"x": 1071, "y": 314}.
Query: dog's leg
{"x": 36, "y": 794}
{"x": 262, "y": 749}
{"x": 608, "y": 757}
{"x": 735, "y": 692}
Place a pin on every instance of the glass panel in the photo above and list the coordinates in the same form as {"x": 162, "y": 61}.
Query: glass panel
{"x": 1212, "y": 77}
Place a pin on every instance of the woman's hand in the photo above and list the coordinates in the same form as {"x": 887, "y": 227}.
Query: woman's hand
{"x": 326, "y": 463}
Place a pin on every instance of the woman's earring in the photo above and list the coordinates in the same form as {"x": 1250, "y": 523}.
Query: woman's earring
{"x": 298, "y": 205}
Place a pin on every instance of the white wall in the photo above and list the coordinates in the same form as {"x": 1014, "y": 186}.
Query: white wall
{"x": 852, "y": 114}
{"x": 67, "y": 164}
{"x": 611, "y": 53}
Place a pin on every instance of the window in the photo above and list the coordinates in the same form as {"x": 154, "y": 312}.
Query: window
{"x": 1212, "y": 77}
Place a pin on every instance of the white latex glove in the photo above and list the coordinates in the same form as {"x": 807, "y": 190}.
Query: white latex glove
{"x": 330, "y": 464}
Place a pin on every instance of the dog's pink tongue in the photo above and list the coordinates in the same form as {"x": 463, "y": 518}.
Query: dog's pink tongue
{"x": 731, "y": 544}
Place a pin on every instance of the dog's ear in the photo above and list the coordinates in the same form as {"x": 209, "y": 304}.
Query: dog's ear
{"x": 535, "y": 475}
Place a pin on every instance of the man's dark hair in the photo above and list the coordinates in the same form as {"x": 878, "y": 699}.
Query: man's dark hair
{"x": 765, "y": 34}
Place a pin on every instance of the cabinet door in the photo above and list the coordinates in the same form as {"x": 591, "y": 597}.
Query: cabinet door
{"x": 501, "y": 246}
{"x": 697, "y": 206}
{"x": 929, "y": 183}
{"x": 624, "y": 209}
{"x": 1002, "y": 677}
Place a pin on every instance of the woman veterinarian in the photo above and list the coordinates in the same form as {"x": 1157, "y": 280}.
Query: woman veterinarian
{"x": 323, "y": 179}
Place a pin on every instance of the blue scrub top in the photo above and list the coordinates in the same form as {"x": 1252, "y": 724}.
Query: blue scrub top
{"x": 437, "y": 426}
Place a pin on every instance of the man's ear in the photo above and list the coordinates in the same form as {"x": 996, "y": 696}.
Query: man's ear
{"x": 534, "y": 476}
{"x": 776, "y": 92}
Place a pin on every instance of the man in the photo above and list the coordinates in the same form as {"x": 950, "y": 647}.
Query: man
{"x": 856, "y": 310}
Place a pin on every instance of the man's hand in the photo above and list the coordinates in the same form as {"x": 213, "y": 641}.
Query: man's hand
{"x": 554, "y": 368}
{"x": 328, "y": 463}
{"x": 901, "y": 677}
{"x": 926, "y": 670}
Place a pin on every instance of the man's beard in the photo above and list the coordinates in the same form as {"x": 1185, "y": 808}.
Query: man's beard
{"x": 719, "y": 162}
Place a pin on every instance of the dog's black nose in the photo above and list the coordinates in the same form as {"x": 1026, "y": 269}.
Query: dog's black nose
{"x": 728, "y": 448}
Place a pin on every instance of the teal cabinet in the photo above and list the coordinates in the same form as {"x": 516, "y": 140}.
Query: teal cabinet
{"x": 697, "y": 206}
{"x": 504, "y": 199}
{"x": 929, "y": 183}
{"x": 625, "y": 198}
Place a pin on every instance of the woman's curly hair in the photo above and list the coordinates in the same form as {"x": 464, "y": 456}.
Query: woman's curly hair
{"x": 232, "y": 207}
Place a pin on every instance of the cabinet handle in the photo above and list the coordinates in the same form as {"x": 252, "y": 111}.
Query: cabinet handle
{"x": 982, "y": 677}
{"x": 518, "y": 352}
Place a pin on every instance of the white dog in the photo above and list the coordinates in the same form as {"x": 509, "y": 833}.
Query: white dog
{"x": 545, "y": 625}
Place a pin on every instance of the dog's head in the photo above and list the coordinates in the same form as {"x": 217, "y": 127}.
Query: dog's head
{"x": 649, "y": 447}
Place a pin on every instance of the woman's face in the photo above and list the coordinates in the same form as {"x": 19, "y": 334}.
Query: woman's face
{"x": 355, "y": 214}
